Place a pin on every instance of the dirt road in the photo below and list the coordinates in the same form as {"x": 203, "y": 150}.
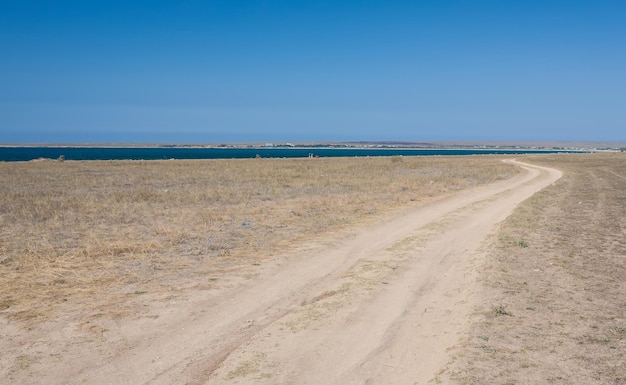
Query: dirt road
{"x": 385, "y": 305}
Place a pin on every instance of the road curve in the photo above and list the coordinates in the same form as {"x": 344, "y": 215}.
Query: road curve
{"x": 384, "y": 306}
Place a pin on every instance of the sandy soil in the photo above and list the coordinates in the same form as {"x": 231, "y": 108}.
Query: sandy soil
{"x": 385, "y": 304}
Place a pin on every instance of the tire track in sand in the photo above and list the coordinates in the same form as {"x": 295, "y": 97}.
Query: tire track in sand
{"x": 384, "y": 306}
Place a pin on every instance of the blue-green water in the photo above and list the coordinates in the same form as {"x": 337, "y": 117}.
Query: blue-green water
{"x": 13, "y": 154}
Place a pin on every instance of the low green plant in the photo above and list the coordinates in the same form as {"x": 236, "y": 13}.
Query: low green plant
{"x": 501, "y": 310}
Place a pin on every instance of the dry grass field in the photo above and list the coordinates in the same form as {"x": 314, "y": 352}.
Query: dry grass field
{"x": 87, "y": 241}
{"x": 85, "y": 237}
{"x": 554, "y": 298}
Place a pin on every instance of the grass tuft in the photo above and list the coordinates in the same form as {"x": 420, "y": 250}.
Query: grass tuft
{"x": 501, "y": 310}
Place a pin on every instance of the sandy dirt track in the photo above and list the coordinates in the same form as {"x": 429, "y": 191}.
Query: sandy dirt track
{"x": 386, "y": 305}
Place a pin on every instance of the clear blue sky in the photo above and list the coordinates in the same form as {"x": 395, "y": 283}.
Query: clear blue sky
{"x": 288, "y": 71}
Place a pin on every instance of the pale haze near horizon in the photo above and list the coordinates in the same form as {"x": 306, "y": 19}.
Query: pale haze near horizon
{"x": 241, "y": 71}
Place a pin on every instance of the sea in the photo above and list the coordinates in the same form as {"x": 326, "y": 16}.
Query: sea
{"x": 20, "y": 154}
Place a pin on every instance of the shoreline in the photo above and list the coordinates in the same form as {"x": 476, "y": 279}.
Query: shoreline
{"x": 18, "y": 154}
{"x": 447, "y": 145}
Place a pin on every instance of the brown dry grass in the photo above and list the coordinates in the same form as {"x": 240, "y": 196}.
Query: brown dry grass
{"x": 554, "y": 309}
{"x": 89, "y": 234}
